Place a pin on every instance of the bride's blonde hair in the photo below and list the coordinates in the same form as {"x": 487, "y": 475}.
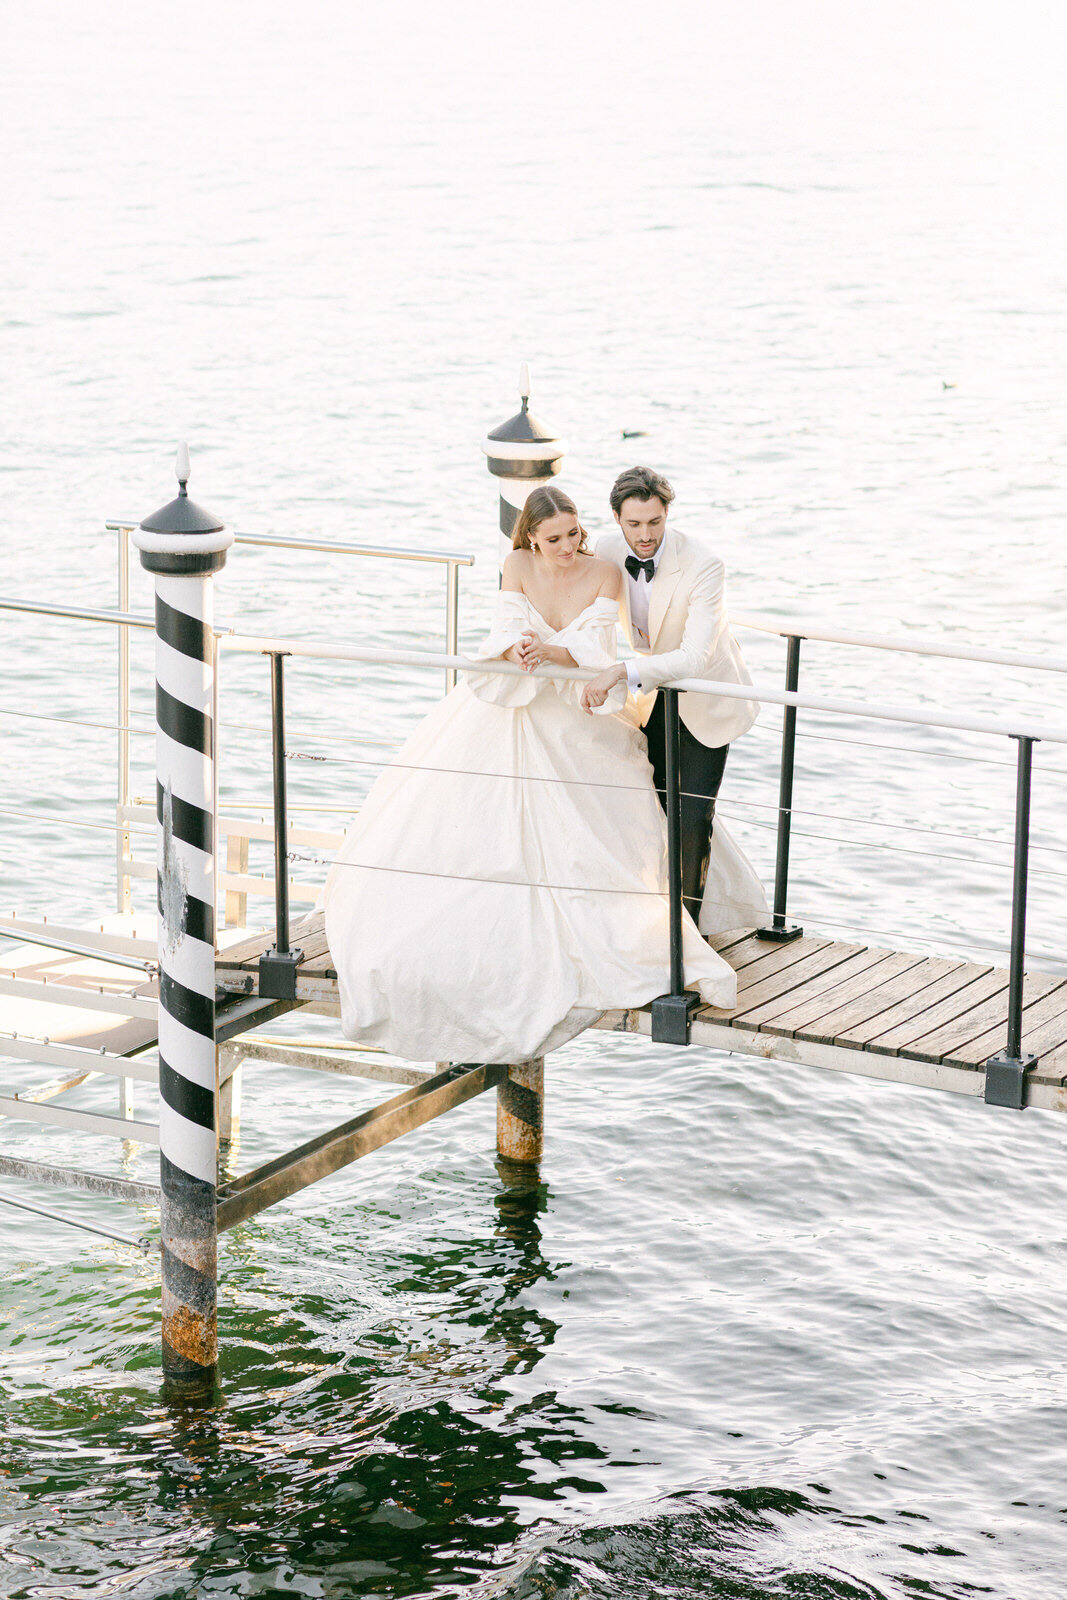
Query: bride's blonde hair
{"x": 541, "y": 504}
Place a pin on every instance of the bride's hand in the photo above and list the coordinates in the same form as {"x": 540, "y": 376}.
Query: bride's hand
{"x": 531, "y": 651}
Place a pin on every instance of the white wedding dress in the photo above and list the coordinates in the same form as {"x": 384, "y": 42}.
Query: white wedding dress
{"x": 505, "y": 880}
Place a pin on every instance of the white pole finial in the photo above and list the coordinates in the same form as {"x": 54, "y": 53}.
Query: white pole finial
{"x": 181, "y": 464}
{"x": 524, "y": 381}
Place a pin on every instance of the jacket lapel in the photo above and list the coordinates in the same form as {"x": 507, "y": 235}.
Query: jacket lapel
{"x": 663, "y": 586}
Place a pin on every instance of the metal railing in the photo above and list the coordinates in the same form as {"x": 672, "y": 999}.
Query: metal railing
{"x": 1005, "y": 1073}
{"x": 450, "y": 560}
{"x": 921, "y": 645}
{"x": 794, "y": 632}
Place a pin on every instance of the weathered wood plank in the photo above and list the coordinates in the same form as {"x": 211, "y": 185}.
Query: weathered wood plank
{"x": 809, "y": 1000}
{"x": 313, "y": 945}
{"x": 807, "y": 1006}
{"x": 835, "y": 1025}
{"x": 944, "y": 1043}
{"x": 939, "y": 978}
{"x": 739, "y": 952}
{"x": 246, "y": 952}
{"x": 766, "y": 958}
{"x": 901, "y": 1036}
{"x": 771, "y": 1048}
{"x": 721, "y": 942}
{"x": 758, "y": 986}
{"x": 888, "y": 985}
{"x": 1044, "y": 1027}
{"x": 309, "y": 935}
{"x": 822, "y": 993}
{"x": 319, "y": 968}
{"x": 1052, "y": 1068}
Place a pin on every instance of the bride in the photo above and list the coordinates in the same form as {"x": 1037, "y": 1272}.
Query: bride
{"x": 505, "y": 880}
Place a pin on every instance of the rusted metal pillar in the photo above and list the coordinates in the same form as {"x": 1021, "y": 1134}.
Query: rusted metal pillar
{"x": 520, "y": 1112}
{"x": 183, "y": 546}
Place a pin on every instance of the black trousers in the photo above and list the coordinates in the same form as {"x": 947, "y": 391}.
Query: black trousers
{"x": 701, "y": 769}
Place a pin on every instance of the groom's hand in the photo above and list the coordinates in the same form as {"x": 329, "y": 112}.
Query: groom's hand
{"x": 597, "y": 689}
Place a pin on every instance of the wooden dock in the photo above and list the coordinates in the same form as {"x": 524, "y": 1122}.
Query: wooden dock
{"x": 924, "y": 1020}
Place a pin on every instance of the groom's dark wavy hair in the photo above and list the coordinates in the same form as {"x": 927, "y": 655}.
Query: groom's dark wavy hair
{"x": 542, "y": 503}
{"x": 640, "y": 483}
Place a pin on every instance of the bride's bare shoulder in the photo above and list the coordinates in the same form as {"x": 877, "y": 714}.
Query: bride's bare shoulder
{"x": 514, "y": 571}
{"x": 609, "y": 578}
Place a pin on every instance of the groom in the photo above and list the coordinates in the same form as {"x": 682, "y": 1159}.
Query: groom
{"x": 674, "y": 612}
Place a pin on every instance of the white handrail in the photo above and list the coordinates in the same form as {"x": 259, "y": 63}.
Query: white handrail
{"x": 129, "y": 619}
{"x": 425, "y": 658}
{"x": 920, "y": 646}
{"x": 794, "y": 628}
{"x": 386, "y": 552}
{"x": 732, "y": 691}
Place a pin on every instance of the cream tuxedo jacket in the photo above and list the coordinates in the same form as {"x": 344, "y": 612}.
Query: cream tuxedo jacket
{"x": 689, "y": 634}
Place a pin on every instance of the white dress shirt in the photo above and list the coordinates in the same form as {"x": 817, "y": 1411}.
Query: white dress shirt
{"x": 640, "y": 594}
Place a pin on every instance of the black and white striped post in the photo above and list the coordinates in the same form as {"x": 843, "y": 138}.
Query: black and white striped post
{"x": 520, "y": 454}
{"x": 183, "y": 545}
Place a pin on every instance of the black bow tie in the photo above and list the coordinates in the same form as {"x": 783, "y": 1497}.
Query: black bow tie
{"x": 633, "y": 567}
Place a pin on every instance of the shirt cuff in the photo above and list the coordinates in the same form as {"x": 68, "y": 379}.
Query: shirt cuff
{"x": 633, "y": 676}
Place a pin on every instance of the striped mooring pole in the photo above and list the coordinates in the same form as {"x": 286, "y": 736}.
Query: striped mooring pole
{"x": 520, "y": 454}
{"x": 183, "y": 546}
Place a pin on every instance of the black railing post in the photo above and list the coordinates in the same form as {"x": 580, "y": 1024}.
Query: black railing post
{"x": 1005, "y": 1074}
{"x": 778, "y": 931}
{"x": 671, "y": 1012}
{"x": 277, "y": 967}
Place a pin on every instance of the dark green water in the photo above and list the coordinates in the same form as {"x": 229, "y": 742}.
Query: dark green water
{"x": 751, "y": 1333}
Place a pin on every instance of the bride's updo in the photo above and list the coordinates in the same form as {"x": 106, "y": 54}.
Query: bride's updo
{"x": 541, "y": 504}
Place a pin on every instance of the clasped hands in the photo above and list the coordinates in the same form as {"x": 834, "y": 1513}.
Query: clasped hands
{"x": 532, "y": 652}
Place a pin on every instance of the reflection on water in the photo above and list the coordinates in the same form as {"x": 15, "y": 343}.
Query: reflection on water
{"x": 375, "y": 1441}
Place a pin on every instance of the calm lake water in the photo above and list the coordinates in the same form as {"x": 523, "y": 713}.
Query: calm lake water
{"x": 752, "y": 1331}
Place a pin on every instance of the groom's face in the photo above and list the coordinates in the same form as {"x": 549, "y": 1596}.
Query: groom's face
{"x": 643, "y": 524}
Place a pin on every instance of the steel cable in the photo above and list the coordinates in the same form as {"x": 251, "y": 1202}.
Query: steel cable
{"x": 585, "y": 783}
{"x": 511, "y": 883}
{"x": 77, "y": 822}
{"x": 902, "y": 850}
{"x": 732, "y": 905}
{"x": 883, "y": 822}
{"x": 905, "y": 749}
{"x": 74, "y": 722}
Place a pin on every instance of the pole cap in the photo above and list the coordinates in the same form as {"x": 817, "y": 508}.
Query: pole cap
{"x": 524, "y": 446}
{"x": 182, "y": 536}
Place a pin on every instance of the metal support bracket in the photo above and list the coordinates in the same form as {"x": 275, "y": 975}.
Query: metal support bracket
{"x": 252, "y": 1192}
{"x": 780, "y": 935}
{"x": 671, "y": 1017}
{"x": 277, "y": 974}
{"x": 1006, "y": 1080}
{"x": 246, "y": 1013}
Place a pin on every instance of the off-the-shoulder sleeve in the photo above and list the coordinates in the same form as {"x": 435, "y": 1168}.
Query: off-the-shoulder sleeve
{"x": 512, "y": 620}
{"x": 592, "y": 641}
{"x": 592, "y": 644}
